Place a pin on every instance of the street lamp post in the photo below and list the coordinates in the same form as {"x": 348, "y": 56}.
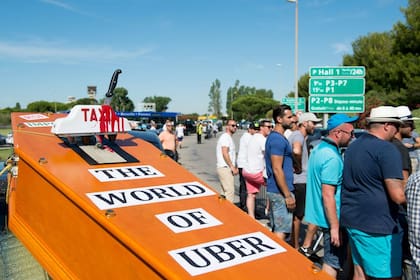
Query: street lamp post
{"x": 296, "y": 54}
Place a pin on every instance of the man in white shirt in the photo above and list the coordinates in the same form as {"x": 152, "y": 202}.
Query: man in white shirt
{"x": 293, "y": 127}
{"x": 254, "y": 171}
{"x": 179, "y": 130}
{"x": 226, "y": 159}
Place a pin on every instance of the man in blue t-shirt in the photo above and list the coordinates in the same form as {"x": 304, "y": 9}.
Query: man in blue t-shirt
{"x": 279, "y": 167}
{"x": 323, "y": 190}
{"x": 372, "y": 190}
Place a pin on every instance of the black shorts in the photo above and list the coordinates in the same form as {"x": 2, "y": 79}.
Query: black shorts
{"x": 300, "y": 196}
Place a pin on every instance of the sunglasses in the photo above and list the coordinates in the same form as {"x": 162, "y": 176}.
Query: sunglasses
{"x": 396, "y": 125}
{"x": 351, "y": 133}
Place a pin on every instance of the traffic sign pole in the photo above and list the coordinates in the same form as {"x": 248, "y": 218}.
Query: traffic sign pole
{"x": 301, "y": 103}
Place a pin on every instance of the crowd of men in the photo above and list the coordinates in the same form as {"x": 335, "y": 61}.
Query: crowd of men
{"x": 365, "y": 200}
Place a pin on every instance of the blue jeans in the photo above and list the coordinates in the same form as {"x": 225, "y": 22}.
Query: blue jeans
{"x": 280, "y": 217}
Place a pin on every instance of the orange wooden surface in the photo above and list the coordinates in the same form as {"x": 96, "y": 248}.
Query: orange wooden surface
{"x": 51, "y": 213}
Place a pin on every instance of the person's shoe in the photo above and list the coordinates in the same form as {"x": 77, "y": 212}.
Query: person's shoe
{"x": 307, "y": 252}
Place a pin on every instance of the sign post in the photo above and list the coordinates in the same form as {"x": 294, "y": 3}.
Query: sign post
{"x": 291, "y": 101}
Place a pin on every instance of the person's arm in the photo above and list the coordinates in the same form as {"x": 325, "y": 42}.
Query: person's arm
{"x": 414, "y": 145}
{"x": 395, "y": 190}
{"x": 297, "y": 157}
{"x": 406, "y": 174}
{"x": 161, "y": 138}
{"x": 175, "y": 141}
{"x": 277, "y": 166}
{"x": 328, "y": 197}
{"x": 226, "y": 157}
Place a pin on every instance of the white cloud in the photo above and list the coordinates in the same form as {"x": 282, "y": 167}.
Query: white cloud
{"x": 58, "y": 53}
{"x": 59, "y": 4}
{"x": 340, "y": 48}
{"x": 65, "y": 6}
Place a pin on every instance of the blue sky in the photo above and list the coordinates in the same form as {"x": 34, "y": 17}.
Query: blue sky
{"x": 52, "y": 49}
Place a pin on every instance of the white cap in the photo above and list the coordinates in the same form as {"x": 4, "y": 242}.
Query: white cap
{"x": 308, "y": 117}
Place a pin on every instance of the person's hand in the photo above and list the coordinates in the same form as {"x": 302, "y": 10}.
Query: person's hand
{"x": 235, "y": 170}
{"x": 335, "y": 236}
{"x": 409, "y": 145}
{"x": 290, "y": 202}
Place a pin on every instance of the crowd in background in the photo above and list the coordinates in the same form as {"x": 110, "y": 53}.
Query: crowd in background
{"x": 365, "y": 200}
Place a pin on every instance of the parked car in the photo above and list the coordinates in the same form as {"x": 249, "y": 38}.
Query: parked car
{"x": 2, "y": 140}
{"x": 189, "y": 127}
{"x": 244, "y": 124}
{"x": 3, "y": 205}
{"x": 149, "y": 136}
{"x": 9, "y": 138}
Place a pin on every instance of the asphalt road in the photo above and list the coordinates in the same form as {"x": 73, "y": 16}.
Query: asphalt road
{"x": 200, "y": 159}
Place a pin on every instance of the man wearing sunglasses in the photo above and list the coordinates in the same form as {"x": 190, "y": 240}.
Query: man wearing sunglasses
{"x": 226, "y": 160}
{"x": 254, "y": 170}
{"x": 325, "y": 171}
{"x": 372, "y": 191}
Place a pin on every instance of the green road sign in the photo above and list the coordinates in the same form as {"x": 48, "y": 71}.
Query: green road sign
{"x": 337, "y": 104}
{"x": 292, "y": 103}
{"x": 337, "y": 71}
{"x": 337, "y": 86}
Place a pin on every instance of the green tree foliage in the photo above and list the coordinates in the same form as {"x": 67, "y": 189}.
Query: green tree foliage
{"x": 5, "y": 119}
{"x": 392, "y": 62}
{"x": 407, "y": 47}
{"x": 238, "y": 95}
{"x": 45, "y": 106}
{"x": 232, "y": 94}
{"x": 85, "y": 101}
{"x": 121, "y": 102}
{"x": 374, "y": 52}
{"x": 407, "y": 36}
{"x": 160, "y": 101}
{"x": 252, "y": 106}
{"x": 215, "y": 103}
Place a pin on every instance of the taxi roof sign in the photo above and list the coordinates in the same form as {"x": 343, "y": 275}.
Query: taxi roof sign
{"x": 90, "y": 120}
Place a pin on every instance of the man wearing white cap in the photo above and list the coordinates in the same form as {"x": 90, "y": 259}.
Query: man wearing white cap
{"x": 372, "y": 191}
{"x": 297, "y": 139}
